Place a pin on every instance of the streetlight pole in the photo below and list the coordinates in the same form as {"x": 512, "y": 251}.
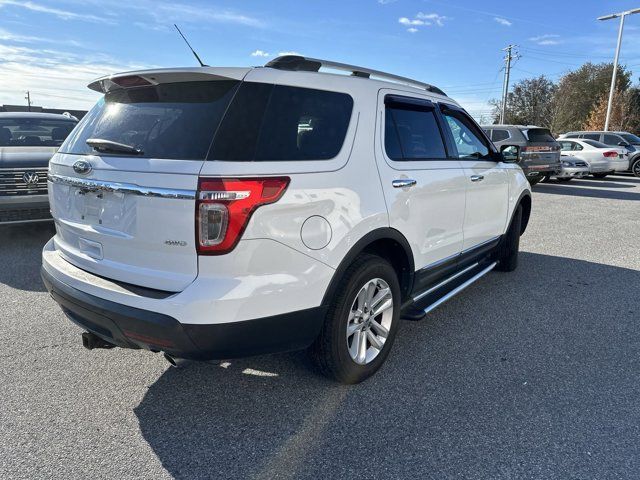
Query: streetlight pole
{"x": 615, "y": 61}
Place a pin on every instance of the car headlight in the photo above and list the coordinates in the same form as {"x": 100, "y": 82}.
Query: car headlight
{"x": 567, "y": 164}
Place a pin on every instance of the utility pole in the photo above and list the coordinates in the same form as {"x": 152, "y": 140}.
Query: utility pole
{"x": 28, "y": 99}
{"x": 505, "y": 87}
{"x": 615, "y": 60}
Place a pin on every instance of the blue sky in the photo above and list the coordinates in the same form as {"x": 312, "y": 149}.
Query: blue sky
{"x": 54, "y": 48}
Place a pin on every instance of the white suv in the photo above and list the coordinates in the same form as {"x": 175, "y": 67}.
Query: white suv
{"x": 212, "y": 213}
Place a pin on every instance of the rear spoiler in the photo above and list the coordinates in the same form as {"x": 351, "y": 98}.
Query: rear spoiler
{"x": 145, "y": 78}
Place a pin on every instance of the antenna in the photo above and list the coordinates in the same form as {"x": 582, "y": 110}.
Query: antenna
{"x": 190, "y": 47}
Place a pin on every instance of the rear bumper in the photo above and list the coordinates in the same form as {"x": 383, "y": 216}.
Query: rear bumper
{"x": 131, "y": 327}
{"x": 573, "y": 172}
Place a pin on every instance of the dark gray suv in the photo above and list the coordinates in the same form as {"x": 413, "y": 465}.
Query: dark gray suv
{"x": 539, "y": 151}
{"x": 615, "y": 139}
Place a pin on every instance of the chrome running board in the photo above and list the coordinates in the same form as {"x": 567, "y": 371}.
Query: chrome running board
{"x": 461, "y": 287}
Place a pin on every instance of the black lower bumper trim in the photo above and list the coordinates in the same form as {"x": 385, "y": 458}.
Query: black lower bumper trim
{"x": 131, "y": 327}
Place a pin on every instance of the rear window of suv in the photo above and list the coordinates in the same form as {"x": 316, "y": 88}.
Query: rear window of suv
{"x": 539, "y": 135}
{"x": 170, "y": 121}
{"x": 34, "y": 132}
{"x": 280, "y": 123}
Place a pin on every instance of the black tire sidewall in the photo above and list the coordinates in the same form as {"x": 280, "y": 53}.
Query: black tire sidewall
{"x": 374, "y": 267}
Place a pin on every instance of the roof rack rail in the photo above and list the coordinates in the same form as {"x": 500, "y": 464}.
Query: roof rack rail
{"x": 306, "y": 64}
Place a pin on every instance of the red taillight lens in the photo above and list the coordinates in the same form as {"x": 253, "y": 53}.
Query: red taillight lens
{"x": 610, "y": 154}
{"x": 225, "y": 205}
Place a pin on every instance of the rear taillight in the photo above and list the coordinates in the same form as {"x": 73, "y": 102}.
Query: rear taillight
{"x": 225, "y": 205}
{"x": 610, "y": 154}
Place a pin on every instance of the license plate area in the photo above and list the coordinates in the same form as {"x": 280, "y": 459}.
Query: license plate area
{"x": 107, "y": 209}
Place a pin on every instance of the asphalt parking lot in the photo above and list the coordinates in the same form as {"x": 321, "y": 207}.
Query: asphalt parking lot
{"x": 534, "y": 374}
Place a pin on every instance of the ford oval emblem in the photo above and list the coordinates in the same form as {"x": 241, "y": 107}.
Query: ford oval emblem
{"x": 82, "y": 167}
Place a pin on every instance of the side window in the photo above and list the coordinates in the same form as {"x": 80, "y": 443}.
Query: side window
{"x": 591, "y": 136}
{"x": 564, "y": 146}
{"x": 500, "y": 135}
{"x": 412, "y": 133}
{"x": 280, "y": 123}
{"x": 466, "y": 136}
{"x": 609, "y": 139}
{"x": 489, "y": 132}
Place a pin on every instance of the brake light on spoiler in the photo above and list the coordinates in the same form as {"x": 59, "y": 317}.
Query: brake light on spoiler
{"x": 225, "y": 205}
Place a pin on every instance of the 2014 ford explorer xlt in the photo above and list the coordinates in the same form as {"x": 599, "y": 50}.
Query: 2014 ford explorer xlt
{"x": 211, "y": 213}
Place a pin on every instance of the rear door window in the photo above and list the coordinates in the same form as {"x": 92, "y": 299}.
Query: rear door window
{"x": 34, "y": 132}
{"x": 609, "y": 139}
{"x": 591, "y": 136}
{"x": 280, "y": 123}
{"x": 500, "y": 135}
{"x": 412, "y": 131}
{"x": 169, "y": 121}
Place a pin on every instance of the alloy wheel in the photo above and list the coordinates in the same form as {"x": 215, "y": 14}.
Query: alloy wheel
{"x": 369, "y": 321}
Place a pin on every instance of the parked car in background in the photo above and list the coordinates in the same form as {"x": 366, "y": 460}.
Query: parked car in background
{"x": 615, "y": 139}
{"x": 27, "y": 142}
{"x": 326, "y": 208}
{"x": 539, "y": 151}
{"x": 572, "y": 167}
{"x": 602, "y": 159}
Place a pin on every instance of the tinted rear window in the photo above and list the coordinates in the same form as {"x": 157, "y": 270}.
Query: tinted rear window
{"x": 280, "y": 123}
{"x": 412, "y": 135}
{"x": 172, "y": 121}
{"x": 499, "y": 135}
{"x": 34, "y": 132}
{"x": 591, "y": 136}
{"x": 538, "y": 135}
{"x": 593, "y": 143}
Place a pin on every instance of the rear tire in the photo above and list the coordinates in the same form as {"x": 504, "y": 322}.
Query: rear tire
{"x": 599, "y": 175}
{"x": 535, "y": 180}
{"x": 635, "y": 168}
{"x": 335, "y": 351}
{"x": 510, "y": 244}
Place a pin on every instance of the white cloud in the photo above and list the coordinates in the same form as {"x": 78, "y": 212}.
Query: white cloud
{"x": 408, "y": 22}
{"x": 61, "y": 14}
{"x": 11, "y": 37}
{"x": 260, "y": 53}
{"x": 386, "y": 2}
{"x": 546, "y": 39}
{"x": 432, "y": 18}
{"x": 55, "y": 78}
{"x": 422, "y": 20}
{"x": 284, "y": 54}
{"x": 503, "y": 21}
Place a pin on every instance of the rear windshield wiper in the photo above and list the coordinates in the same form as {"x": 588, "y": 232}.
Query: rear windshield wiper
{"x": 103, "y": 145}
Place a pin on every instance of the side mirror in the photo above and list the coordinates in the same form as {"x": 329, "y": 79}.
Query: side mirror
{"x": 510, "y": 153}
{"x": 623, "y": 144}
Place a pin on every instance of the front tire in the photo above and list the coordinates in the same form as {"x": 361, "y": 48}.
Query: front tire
{"x": 635, "y": 168}
{"x": 361, "y": 322}
{"x": 510, "y": 245}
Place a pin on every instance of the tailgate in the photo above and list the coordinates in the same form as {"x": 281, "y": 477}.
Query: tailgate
{"x": 133, "y": 227}
{"x": 122, "y": 187}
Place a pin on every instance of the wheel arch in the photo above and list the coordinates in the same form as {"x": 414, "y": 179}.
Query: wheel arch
{"x": 387, "y": 243}
{"x": 525, "y": 201}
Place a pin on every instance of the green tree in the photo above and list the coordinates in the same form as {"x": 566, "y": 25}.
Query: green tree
{"x": 530, "y": 102}
{"x": 579, "y": 92}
